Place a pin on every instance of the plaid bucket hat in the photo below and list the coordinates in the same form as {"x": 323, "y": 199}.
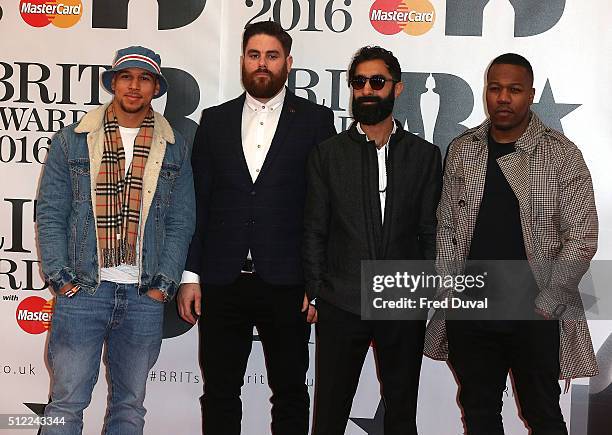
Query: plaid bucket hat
{"x": 136, "y": 57}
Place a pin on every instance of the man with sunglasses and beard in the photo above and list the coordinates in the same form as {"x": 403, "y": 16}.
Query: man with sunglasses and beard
{"x": 372, "y": 195}
{"x": 244, "y": 267}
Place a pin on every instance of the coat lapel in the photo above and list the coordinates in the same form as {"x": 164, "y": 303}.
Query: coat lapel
{"x": 235, "y": 135}
{"x": 394, "y": 157}
{"x": 284, "y": 125}
{"x": 515, "y": 167}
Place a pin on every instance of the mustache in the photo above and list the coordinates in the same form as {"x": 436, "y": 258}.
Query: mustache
{"x": 368, "y": 99}
{"x": 262, "y": 70}
{"x": 504, "y": 109}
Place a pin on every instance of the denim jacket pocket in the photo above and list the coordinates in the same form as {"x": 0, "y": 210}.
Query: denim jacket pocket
{"x": 80, "y": 179}
{"x": 165, "y": 184}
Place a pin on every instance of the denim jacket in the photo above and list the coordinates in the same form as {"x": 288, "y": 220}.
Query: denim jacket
{"x": 66, "y": 223}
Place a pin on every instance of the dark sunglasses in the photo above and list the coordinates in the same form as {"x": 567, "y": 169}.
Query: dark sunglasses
{"x": 377, "y": 82}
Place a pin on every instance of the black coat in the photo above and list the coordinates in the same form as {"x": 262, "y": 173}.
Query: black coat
{"x": 343, "y": 218}
{"x": 235, "y": 215}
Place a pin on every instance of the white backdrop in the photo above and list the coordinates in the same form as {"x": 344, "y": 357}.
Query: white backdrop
{"x": 46, "y": 75}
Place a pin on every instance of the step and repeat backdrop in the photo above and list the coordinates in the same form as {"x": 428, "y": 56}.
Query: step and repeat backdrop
{"x": 52, "y": 53}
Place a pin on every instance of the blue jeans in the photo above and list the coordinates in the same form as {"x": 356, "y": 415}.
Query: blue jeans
{"x": 131, "y": 327}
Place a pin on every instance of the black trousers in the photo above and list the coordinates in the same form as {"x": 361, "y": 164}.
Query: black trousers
{"x": 226, "y": 334}
{"x": 483, "y": 352}
{"x": 343, "y": 340}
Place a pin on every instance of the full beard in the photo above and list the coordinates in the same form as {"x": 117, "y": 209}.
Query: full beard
{"x": 259, "y": 87}
{"x": 371, "y": 114}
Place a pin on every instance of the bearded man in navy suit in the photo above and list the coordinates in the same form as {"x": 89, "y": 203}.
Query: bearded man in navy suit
{"x": 244, "y": 266}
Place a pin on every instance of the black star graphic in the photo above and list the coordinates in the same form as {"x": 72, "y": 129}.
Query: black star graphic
{"x": 551, "y": 112}
{"x": 38, "y": 409}
{"x": 374, "y": 425}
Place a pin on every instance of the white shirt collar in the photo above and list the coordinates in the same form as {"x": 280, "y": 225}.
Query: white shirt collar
{"x": 360, "y": 130}
{"x": 271, "y": 105}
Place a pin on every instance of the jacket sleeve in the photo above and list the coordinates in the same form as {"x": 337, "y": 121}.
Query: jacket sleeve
{"x": 52, "y": 214}
{"x": 316, "y": 226}
{"x": 202, "y": 177}
{"x": 429, "y": 202}
{"x": 578, "y": 226}
{"x": 179, "y": 224}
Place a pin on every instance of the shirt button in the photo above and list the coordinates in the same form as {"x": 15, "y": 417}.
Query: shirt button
{"x": 261, "y": 123}
{"x": 454, "y": 241}
{"x": 461, "y": 203}
{"x": 258, "y": 146}
{"x": 256, "y": 170}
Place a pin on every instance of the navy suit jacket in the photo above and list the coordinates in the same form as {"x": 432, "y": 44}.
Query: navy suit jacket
{"x": 235, "y": 215}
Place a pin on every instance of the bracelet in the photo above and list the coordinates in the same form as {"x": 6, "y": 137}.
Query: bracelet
{"x": 72, "y": 291}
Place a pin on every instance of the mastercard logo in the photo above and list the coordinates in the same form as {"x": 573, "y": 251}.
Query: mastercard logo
{"x": 34, "y": 314}
{"x": 414, "y": 17}
{"x": 60, "y": 13}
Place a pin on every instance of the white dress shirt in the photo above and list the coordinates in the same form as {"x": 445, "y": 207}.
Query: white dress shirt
{"x": 259, "y": 122}
{"x": 382, "y": 154}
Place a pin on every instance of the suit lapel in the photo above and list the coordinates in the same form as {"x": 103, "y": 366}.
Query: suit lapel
{"x": 283, "y": 127}
{"x": 235, "y": 135}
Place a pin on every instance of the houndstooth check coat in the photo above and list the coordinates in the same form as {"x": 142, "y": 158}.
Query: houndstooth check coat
{"x": 559, "y": 223}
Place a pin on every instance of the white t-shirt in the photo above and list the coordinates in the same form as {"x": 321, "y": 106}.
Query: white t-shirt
{"x": 124, "y": 273}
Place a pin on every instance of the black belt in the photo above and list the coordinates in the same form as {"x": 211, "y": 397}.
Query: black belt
{"x": 248, "y": 266}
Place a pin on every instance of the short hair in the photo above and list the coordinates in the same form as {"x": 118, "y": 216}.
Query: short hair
{"x": 376, "y": 53}
{"x": 512, "y": 59}
{"x": 269, "y": 28}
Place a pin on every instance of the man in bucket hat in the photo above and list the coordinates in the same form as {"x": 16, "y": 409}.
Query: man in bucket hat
{"x": 115, "y": 218}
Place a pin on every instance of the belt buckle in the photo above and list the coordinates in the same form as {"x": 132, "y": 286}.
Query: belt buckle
{"x": 248, "y": 266}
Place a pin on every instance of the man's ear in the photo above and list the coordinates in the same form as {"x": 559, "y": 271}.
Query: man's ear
{"x": 399, "y": 88}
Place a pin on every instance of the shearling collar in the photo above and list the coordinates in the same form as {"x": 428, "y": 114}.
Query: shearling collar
{"x": 93, "y": 121}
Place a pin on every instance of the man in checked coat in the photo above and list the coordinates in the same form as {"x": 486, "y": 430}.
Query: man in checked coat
{"x": 516, "y": 190}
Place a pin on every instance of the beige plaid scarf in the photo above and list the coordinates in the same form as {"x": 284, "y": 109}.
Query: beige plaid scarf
{"x": 118, "y": 197}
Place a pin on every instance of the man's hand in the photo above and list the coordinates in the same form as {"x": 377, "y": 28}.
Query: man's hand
{"x": 311, "y": 315}
{"x": 156, "y": 294}
{"x": 69, "y": 290}
{"x": 189, "y": 294}
{"x": 66, "y": 287}
{"x": 543, "y": 314}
